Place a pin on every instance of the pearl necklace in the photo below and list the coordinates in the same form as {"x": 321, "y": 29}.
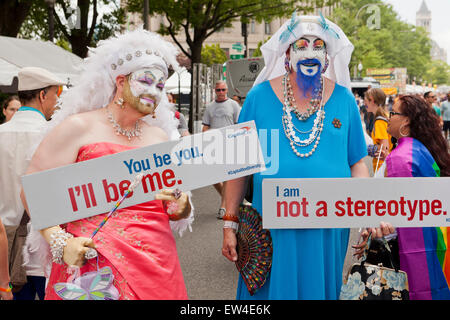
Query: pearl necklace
{"x": 289, "y": 128}
{"x": 130, "y": 133}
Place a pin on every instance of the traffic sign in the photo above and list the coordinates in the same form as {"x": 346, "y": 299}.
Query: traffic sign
{"x": 236, "y": 56}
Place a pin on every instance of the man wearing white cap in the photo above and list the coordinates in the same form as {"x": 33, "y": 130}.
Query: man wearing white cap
{"x": 38, "y": 93}
{"x": 303, "y": 96}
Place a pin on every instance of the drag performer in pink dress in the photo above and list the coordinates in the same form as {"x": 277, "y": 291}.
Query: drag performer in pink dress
{"x": 118, "y": 104}
{"x": 137, "y": 244}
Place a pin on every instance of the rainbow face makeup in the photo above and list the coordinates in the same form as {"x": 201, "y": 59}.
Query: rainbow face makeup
{"x": 146, "y": 88}
{"x": 305, "y": 51}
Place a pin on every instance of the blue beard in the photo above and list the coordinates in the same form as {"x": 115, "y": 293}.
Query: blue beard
{"x": 306, "y": 83}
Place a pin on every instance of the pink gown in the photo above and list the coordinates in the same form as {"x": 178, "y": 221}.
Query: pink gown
{"x": 137, "y": 244}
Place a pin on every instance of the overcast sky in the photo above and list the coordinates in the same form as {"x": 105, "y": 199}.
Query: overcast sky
{"x": 440, "y": 18}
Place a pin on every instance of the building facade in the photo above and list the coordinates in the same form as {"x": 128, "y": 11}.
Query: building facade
{"x": 226, "y": 38}
{"x": 424, "y": 20}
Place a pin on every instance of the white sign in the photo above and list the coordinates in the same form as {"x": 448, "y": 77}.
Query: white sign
{"x": 355, "y": 202}
{"x": 93, "y": 187}
{"x": 241, "y": 74}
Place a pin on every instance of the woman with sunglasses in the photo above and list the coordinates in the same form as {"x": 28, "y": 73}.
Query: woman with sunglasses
{"x": 421, "y": 152}
{"x": 375, "y": 100}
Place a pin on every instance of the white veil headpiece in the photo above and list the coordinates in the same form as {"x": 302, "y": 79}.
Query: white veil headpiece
{"x": 339, "y": 48}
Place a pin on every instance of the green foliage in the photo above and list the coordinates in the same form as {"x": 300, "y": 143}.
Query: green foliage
{"x": 213, "y": 54}
{"x": 196, "y": 20}
{"x": 438, "y": 72}
{"x": 257, "y": 52}
{"x": 72, "y": 26}
{"x": 390, "y": 44}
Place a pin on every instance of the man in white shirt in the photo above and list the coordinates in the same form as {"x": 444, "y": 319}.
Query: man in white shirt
{"x": 38, "y": 93}
{"x": 221, "y": 112}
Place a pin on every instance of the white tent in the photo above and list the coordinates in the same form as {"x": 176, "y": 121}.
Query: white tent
{"x": 184, "y": 83}
{"x": 18, "y": 53}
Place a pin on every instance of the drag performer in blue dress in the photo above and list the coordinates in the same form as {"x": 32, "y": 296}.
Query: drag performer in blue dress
{"x": 302, "y": 102}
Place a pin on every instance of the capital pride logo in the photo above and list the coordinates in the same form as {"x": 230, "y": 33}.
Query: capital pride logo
{"x": 241, "y": 132}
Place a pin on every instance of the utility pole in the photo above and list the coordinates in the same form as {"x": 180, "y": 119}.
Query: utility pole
{"x": 146, "y": 9}
{"x": 245, "y": 35}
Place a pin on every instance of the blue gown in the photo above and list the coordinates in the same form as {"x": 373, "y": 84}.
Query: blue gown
{"x": 307, "y": 263}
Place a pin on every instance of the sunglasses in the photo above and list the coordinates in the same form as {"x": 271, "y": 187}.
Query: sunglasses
{"x": 393, "y": 113}
{"x": 218, "y": 90}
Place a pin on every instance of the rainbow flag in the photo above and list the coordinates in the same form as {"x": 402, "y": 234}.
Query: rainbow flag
{"x": 423, "y": 251}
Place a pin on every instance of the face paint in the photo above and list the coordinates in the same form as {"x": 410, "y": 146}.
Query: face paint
{"x": 305, "y": 50}
{"x": 144, "y": 88}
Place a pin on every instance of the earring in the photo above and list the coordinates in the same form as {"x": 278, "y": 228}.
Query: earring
{"x": 287, "y": 65}
{"x": 400, "y": 131}
{"x": 119, "y": 102}
{"x": 326, "y": 65}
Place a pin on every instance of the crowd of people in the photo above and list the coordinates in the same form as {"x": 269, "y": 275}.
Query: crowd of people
{"x": 119, "y": 103}
{"x": 439, "y": 102}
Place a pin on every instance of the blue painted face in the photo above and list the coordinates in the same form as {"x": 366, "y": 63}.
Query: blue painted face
{"x": 307, "y": 56}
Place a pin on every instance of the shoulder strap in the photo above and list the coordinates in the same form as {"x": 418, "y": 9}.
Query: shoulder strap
{"x": 381, "y": 118}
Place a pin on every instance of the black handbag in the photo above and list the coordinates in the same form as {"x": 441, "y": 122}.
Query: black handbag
{"x": 379, "y": 254}
{"x": 376, "y": 281}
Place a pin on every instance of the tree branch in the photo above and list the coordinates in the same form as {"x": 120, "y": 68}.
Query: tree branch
{"x": 207, "y": 11}
{"x": 64, "y": 7}
{"x": 61, "y": 26}
{"x": 94, "y": 21}
{"x": 173, "y": 35}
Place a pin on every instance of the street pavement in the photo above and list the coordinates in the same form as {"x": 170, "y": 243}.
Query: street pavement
{"x": 209, "y": 275}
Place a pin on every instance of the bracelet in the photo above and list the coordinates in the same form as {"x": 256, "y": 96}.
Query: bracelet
{"x": 231, "y": 225}
{"x": 7, "y": 289}
{"x": 57, "y": 244}
{"x": 230, "y": 217}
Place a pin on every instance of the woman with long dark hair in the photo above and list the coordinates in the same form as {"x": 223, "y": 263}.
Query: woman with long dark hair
{"x": 421, "y": 152}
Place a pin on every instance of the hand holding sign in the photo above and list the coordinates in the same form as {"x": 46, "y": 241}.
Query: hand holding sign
{"x": 385, "y": 229}
{"x": 176, "y": 203}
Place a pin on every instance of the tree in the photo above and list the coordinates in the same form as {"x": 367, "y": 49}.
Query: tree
{"x": 389, "y": 43}
{"x": 257, "y": 52}
{"x": 12, "y": 14}
{"x": 438, "y": 72}
{"x": 213, "y": 54}
{"x": 196, "y": 20}
{"x": 82, "y": 26}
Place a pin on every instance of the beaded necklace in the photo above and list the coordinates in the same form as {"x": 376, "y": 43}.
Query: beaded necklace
{"x": 290, "y": 129}
{"x": 314, "y": 103}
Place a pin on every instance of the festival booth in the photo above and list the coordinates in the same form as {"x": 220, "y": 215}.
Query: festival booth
{"x": 179, "y": 85}
{"x": 17, "y": 53}
{"x": 179, "y": 82}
